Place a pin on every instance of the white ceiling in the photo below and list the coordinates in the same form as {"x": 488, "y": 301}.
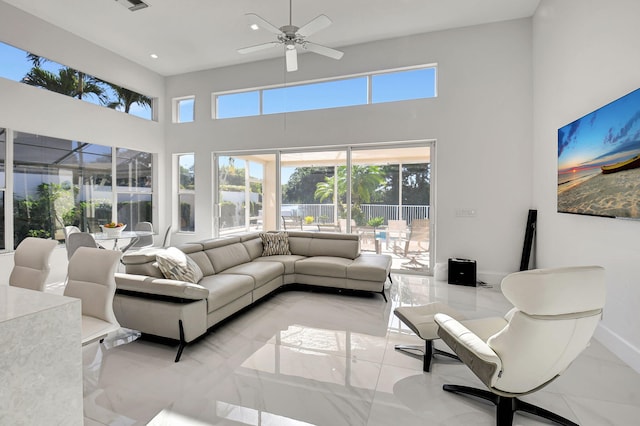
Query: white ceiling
{"x": 191, "y": 35}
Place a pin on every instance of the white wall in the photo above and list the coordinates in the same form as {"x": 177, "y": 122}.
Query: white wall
{"x": 29, "y": 109}
{"x": 585, "y": 56}
{"x": 481, "y": 121}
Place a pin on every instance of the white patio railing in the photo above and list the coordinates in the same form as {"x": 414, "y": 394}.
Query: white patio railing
{"x": 326, "y": 213}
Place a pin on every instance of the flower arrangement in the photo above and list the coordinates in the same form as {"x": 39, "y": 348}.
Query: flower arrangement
{"x": 308, "y": 220}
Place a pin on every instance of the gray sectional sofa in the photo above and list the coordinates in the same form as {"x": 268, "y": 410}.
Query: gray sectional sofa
{"x": 235, "y": 275}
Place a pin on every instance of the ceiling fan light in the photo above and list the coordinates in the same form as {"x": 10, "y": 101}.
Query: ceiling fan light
{"x": 290, "y": 46}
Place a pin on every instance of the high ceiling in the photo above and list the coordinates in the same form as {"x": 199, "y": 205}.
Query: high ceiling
{"x": 191, "y": 35}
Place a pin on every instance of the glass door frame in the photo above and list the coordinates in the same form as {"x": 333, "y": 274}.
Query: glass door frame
{"x": 428, "y": 144}
{"x": 215, "y": 170}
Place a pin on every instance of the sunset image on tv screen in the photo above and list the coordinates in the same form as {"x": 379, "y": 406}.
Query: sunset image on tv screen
{"x": 599, "y": 161}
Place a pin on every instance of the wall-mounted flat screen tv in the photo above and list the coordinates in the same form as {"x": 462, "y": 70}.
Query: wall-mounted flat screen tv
{"x": 599, "y": 161}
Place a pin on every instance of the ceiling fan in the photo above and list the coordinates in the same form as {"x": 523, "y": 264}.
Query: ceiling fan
{"x": 291, "y": 36}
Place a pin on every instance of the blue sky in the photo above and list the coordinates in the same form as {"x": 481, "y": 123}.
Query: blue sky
{"x": 14, "y": 65}
{"x": 385, "y": 87}
{"x": 605, "y": 136}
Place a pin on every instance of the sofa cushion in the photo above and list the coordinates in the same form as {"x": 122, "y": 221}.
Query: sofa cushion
{"x": 194, "y": 251}
{"x": 370, "y": 267}
{"x": 324, "y": 244}
{"x": 261, "y": 272}
{"x": 150, "y": 269}
{"x": 335, "y": 245}
{"x": 175, "y": 265}
{"x": 327, "y": 266}
{"x": 227, "y": 256}
{"x": 299, "y": 242}
{"x": 288, "y": 261}
{"x": 203, "y": 261}
{"x": 253, "y": 246}
{"x": 274, "y": 243}
{"x": 225, "y": 288}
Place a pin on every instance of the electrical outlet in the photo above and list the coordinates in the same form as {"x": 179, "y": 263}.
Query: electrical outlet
{"x": 465, "y": 212}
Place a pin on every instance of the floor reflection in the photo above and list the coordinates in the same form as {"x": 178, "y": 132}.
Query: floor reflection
{"x": 326, "y": 358}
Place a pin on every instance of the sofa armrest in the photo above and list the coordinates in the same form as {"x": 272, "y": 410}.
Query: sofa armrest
{"x": 160, "y": 287}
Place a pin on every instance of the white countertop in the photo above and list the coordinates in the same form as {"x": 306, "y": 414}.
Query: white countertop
{"x": 16, "y": 302}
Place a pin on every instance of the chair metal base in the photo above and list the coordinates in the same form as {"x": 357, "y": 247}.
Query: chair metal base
{"x": 507, "y": 406}
{"x": 426, "y": 354}
{"x": 413, "y": 264}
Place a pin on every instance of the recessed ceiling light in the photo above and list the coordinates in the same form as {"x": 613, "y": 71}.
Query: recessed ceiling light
{"x": 254, "y": 27}
{"x": 154, "y": 56}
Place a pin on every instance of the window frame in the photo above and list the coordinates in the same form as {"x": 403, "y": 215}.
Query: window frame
{"x": 183, "y": 191}
{"x": 368, "y": 75}
{"x": 176, "y": 117}
{"x": 54, "y": 66}
{"x": 133, "y": 190}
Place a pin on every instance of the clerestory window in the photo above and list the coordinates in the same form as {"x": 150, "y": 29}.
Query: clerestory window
{"x": 378, "y": 87}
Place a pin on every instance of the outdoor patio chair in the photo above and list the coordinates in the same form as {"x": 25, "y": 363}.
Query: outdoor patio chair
{"x": 396, "y": 229}
{"x": 343, "y": 226}
{"x": 328, "y": 227}
{"x": 291, "y": 222}
{"x": 416, "y": 242}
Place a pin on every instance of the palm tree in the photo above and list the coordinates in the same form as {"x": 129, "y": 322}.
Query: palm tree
{"x": 67, "y": 82}
{"x": 365, "y": 180}
{"x": 126, "y": 98}
{"x": 76, "y": 84}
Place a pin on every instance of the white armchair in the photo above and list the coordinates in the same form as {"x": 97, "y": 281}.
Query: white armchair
{"x": 31, "y": 263}
{"x": 91, "y": 279}
{"x": 555, "y": 314}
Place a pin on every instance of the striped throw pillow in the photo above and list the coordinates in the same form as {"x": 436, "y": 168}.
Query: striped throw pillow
{"x": 274, "y": 243}
{"x": 175, "y": 265}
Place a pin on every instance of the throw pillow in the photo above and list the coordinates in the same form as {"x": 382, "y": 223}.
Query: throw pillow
{"x": 175, "y": 265}
{"x": 274, "y": 243}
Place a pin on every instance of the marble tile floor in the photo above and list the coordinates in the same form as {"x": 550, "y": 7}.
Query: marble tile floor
{"x": 324, "y": 358}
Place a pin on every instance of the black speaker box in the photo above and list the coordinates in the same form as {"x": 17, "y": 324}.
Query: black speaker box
{"x": 462, "y": 272}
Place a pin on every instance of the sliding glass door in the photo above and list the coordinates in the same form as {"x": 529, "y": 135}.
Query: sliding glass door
{"x": 313, "y": 195}
{"x": 242, "y": 192}
{"x": 391, "y": 201}
{"x": 381, "y": 193}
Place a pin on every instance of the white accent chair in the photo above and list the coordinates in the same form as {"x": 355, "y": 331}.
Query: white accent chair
{"x": 91, "y": 279}
{"x": 68, "y": 230}
{"x": 555, "y": 314}
{"x": 166, "y": 240}
{"x": 76, "y": 240}
{"x": 140, "y": 242}
{"x": 31, "y": 263}
{"x": 147, "y": 240}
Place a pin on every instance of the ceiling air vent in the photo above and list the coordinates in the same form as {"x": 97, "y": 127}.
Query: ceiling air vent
{"x": 133, "y": 5}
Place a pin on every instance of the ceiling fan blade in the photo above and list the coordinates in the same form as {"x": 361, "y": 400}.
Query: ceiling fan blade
{"x": 258, "y": 47}
{"x": 261, "y": 23}
{"x": 322, "y": 50}
{"x": 318, "y": 23}
{"x": 291, "y": 57}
